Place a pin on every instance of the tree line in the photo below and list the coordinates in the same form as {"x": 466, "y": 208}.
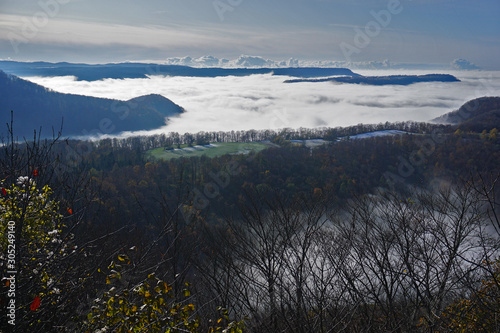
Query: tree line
{"x": 175, "y": 139}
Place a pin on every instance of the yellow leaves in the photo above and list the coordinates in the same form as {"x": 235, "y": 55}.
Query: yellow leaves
{"x": 156, "y": 307}
{"x": 143, "y": 306}
{"x": 162, "y": 287}
{"x": 45, "y": 277}
{"x": 186, "y": 291}
{"x": 173, "y": 311}
{"x": 124, "y": 258}
{"x": 116, "y": 274}
{"x": 477, "y": 313}
{"x": 166, "y": 287}
{"x": 150, "y": 306}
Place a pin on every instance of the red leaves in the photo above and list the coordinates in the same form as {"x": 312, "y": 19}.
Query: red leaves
{"x": 35, "y": 173}
{"x": 4, "y": 192}
{"x": 70, "y": 211}
{"x": 36, "y": 303}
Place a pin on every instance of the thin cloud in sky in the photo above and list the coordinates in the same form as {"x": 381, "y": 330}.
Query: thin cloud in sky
{"x": 427, "y": 31}
{"x": 91, "y": 33}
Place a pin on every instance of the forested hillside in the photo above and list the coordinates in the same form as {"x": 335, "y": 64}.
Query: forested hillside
{"x": 37, "y": 107}
{"x": 476, "y": 115}
{"x": 389, "y": 234}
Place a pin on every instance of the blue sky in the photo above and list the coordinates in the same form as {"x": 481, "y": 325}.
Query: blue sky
{"x": 96, "y": 31}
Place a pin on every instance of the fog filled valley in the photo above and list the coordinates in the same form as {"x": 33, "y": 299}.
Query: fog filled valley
{"x": 265, "y": 101}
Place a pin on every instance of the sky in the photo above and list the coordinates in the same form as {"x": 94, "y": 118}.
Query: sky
{"x": 99, "y": 31}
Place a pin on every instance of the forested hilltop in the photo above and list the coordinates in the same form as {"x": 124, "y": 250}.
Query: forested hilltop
{"x": 397, "y": 233}
{"x": 39, "y": 107}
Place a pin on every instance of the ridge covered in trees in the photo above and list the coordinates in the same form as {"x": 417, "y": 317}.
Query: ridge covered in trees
{"x": 402, "y": 80}
{"x": 82, "y": 115}
{"x": 141, "y": 71}
{"x": 476, "y": 115}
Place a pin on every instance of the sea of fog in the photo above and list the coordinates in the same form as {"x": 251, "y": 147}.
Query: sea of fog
{"x": 265, "y": 102}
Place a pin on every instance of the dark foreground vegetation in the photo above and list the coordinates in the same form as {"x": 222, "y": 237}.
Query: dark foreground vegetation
{"x": 391, "y": 234}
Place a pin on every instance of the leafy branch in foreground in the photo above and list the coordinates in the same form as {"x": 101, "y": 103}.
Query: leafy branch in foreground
{"x": 149, "y": 306}
{"x": 30, "y": 224}
{"x": 480, "y": 313}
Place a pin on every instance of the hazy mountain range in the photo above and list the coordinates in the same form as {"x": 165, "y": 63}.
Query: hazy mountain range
{"x": 140, "y": 70}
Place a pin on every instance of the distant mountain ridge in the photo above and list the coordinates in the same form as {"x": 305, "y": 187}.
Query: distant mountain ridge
{"x": 475, "y": 115}
{"x": 402, "y": 80}
{"x": 35, "y": 106}
{"x": 86, "y": 72}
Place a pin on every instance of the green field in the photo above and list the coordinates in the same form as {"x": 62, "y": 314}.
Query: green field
{"x": 216, "y": 149}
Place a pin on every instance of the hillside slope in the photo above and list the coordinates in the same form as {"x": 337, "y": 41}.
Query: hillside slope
{"x": 35, "y": 106}
{"x": 475, "y": 115}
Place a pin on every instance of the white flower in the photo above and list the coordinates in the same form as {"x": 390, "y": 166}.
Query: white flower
{"x": 35, "y": 271}
{"x": 53, "y": 232}
{"x": 56, "y": 290}
{"x": 22, "y": 180}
